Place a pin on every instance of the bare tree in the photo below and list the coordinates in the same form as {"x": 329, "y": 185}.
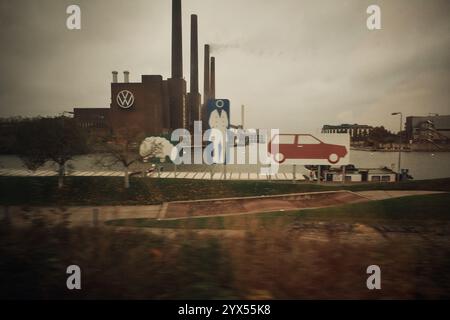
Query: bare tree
{"x": 122, "y": 148}
{"x": 49, "y": 139}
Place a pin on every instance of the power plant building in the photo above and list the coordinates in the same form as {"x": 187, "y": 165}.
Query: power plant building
{"x": 155, "y": 106}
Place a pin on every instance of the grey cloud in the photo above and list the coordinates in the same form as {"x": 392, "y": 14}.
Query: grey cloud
{"x": 294, "y": 64}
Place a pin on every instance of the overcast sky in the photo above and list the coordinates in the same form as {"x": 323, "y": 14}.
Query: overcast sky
{"x": 295, "y": 64}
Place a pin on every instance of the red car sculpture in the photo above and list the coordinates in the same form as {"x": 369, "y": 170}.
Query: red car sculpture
{"x": 304, "y": 146}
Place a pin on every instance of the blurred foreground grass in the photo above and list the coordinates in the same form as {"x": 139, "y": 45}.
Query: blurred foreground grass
{"x": 261, "y": 265}
{"x": 271, "y": 260}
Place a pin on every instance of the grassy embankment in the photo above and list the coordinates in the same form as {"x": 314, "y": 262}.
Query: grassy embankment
{"x": 43, "y": 191}
{"x": 410, "y": 211}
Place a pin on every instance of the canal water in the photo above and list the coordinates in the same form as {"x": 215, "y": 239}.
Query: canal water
{"x": 421, "y": 165}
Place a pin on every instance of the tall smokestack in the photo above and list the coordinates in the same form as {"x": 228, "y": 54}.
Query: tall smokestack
{"x": 194, "y": 98}
{"x": 126, "y": 76}
{"x": 177, "y": 41}
{"x": 194, "y": 54}
{"x": 212, "y": 85}
{"x": 206, "y": 81}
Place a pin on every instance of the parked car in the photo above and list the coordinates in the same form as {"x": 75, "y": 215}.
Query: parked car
{"x": 304, "y": 146}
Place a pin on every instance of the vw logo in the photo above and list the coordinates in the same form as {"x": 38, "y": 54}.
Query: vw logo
{"x": 220, "y": 104}
{"x": 125, "y": 99}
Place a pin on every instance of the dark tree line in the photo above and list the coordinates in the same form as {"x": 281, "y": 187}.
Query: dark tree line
{"x": 59, "y": 139}
{"x": 381, "y": 135}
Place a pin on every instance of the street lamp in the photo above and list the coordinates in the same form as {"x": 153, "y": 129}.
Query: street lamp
{"x": 400, "y": 145}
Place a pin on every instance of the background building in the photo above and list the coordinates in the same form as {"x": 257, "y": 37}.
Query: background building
{"x": 93, "y": 120}
{"x": 355, "y": 130}
{"x": 435, "y": 128}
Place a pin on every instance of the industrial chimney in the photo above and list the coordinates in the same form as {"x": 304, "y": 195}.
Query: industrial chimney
{"x": 194, "y": 94}
{"x": 178, "y": 105}
{"x": 212, "y": 85}
{"x": 114, "y": 74}
{"x": 126, "y": 76}
{"x": 206, "y": 80}
{"x": 177, "y": 41}
{"x": 194, "y": 54}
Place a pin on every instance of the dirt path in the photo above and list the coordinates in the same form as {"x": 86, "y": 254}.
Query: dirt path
{"x": 77, "y": 216}
{"x": 245, "y": 205}
{"x": 289, "y": 202}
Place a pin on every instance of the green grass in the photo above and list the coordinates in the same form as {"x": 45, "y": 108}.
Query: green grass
{"x": 43, "y": 191}
{"x": 413, "y": 210}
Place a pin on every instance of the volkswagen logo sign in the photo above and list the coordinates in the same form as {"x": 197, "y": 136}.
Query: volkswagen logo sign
{"x": 125, "y": 99}
{"x": 220, "y": 103}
